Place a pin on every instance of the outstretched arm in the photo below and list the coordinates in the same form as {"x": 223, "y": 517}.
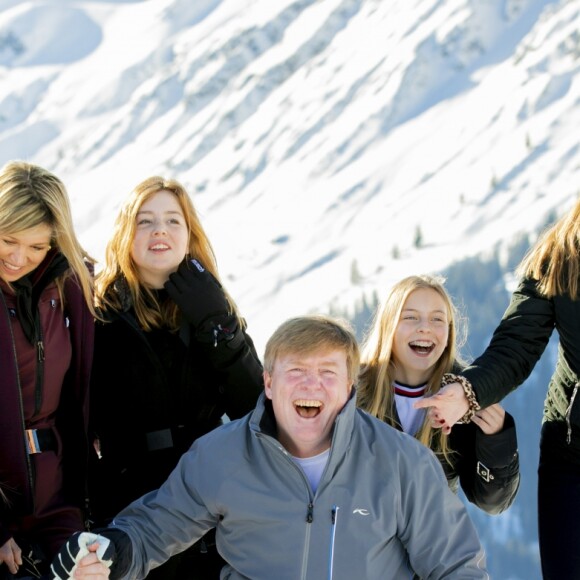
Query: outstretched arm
{"x": 516, "y": 345}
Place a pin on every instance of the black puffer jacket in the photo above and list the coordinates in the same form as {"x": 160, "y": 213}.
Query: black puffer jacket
{"x": 152, "y": 395}
{"x": 517, "y": 345}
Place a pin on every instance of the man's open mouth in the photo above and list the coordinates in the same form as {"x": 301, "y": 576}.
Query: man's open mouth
{"x": 307, "y": 408}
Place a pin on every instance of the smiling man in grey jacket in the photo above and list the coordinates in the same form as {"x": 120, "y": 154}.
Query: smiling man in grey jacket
{"x": 306, "y": 486}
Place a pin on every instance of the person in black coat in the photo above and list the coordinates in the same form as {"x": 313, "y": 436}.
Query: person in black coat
{"x": 412, "y": 343}
{"x": 546, "y": 299}
{"x": 171, "y": 359}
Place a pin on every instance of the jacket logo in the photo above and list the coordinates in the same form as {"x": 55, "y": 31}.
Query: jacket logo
{"x": 198, "y": 265}
{"x": 361, "y": 511}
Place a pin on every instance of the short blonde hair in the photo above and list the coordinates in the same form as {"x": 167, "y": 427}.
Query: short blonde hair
{"x": 305, "y": 334}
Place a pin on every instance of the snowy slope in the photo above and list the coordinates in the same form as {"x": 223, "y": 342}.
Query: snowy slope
{"x": 312, "y": 134}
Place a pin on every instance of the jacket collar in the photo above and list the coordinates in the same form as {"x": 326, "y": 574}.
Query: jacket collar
{"x": 29, "y": 288}
{"x": 263, "y": 421}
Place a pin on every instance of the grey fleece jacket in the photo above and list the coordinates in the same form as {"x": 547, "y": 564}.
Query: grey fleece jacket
{"x": 382, "y": 510}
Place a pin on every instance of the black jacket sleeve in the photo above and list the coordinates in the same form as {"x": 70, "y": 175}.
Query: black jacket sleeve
{"x": 487, "y": 466}
{"x": 516, "y": 345}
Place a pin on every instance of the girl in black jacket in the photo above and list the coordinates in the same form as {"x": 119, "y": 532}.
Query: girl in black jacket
{"x": 171, "y": 359}
{"x": 547, "y": 298}
{"x": 411, "y": 344}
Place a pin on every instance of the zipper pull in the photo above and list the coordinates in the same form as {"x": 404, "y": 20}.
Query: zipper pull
{"x": 569, "y": 413}
{"x": 40, "y": 349}
{"x": 309, "y": 513}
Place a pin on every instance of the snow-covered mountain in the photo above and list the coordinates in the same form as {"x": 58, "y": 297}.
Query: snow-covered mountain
{"x": 331, "y": 146}
{"x": 312, "y": 134}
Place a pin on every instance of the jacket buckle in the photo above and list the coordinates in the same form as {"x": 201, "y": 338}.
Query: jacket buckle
{"x": 484, "y": 472}
{"x": 32, "y": 444}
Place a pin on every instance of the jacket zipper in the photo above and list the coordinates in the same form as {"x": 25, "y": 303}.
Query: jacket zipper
{"x": 305, "y": 553}
{"x": 39, "y": 372}
{"x": 333, "y": 517}
{"x": 569, "y": 413}
{"x": 269, "y": 440}
{"x": 310, "y": 510}
{"x": 21, "y": 405}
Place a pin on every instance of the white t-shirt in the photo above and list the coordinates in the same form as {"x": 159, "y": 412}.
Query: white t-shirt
{"x": 313, "y": 467}
{"x": 405, "y": 396}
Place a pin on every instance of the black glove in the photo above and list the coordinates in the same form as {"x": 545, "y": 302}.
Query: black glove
{"x": 76, "y": 548}
{"x": 197, "y": 293}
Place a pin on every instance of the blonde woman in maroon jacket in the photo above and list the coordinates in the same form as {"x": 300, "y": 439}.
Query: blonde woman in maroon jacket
{"x": 46, "y": 343}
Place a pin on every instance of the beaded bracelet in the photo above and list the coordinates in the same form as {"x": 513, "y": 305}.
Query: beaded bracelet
{"x": 474, "y": 406}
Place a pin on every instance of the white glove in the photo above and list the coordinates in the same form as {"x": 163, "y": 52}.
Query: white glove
{"x": 76, "y": 548}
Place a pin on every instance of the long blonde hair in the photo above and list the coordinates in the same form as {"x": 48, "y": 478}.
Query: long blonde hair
{"x": 120, "y": 264}
{"x": 554, "y": 260}
{"x": 375, "y": 392}
{"x": 31, "y": 196}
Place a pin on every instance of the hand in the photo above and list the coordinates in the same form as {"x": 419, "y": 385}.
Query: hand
{"x": 91, "y": 567}
{"x": 446, "y": 407}
{"x": 491, "y": 419}
{"x": 11, "y": 555}
{"x": 197, "y": 293}
{"x": 67, "y": 563}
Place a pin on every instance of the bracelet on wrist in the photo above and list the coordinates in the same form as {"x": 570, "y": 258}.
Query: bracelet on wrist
{"x": 474, "y": 406}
